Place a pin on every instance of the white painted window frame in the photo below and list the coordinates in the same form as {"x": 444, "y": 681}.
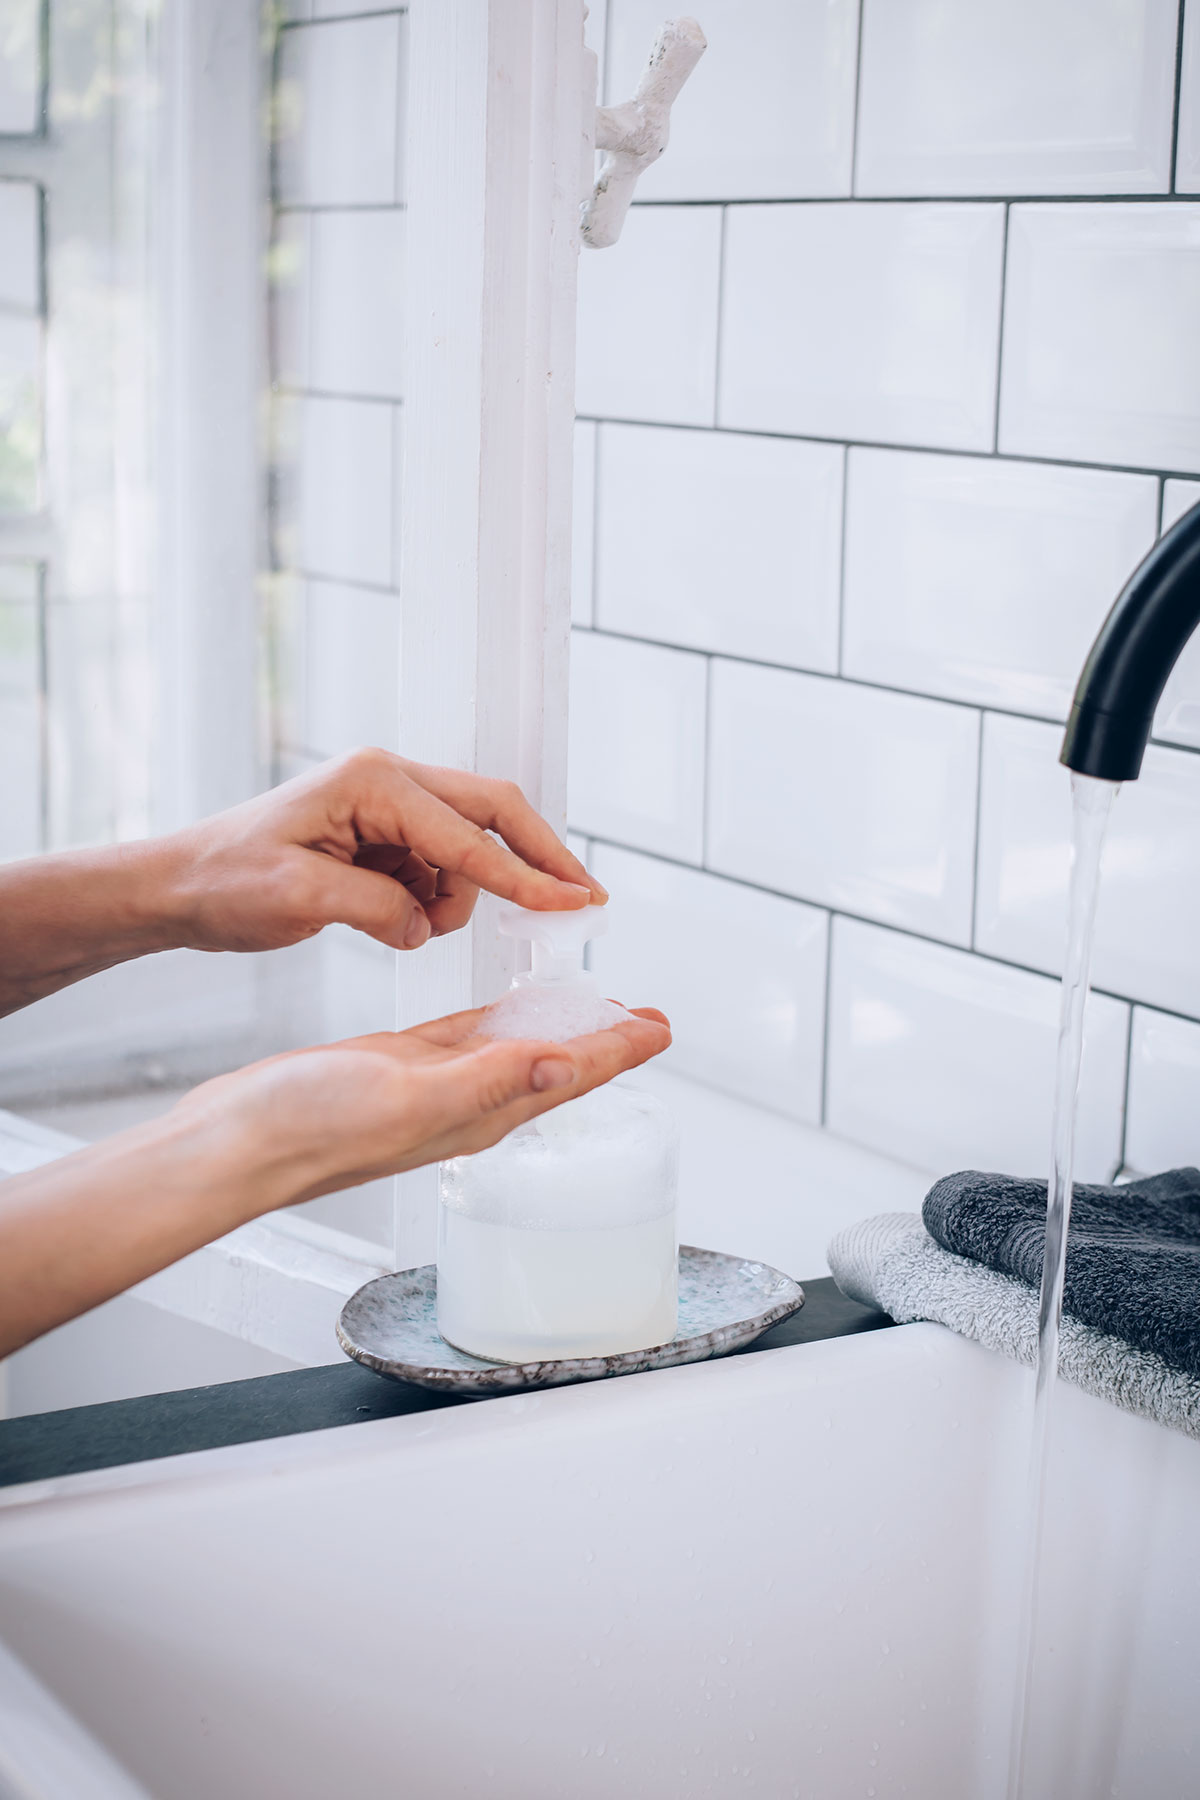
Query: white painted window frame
{"x": 501, "y": 152}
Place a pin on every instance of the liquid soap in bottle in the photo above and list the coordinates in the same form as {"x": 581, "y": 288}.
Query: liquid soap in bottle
{"x": 560, "y": 1241}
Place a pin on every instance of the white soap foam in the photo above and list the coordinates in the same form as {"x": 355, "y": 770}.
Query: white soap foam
{"x": 550, "y": 1013}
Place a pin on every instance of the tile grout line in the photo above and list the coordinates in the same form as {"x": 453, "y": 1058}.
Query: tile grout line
{"x": 825, "y": 1024}
{"x": 1128, "y": 1085}
{"x": 1000, "y": 328}
{"x": 856, "y": 681}
{"x": 862, "y": 7}
{"x": 706, "y": 766}
{"x": 717, "y": 358}
{"x": 1178, "y": 96}
{"x": 1157, "y": 197}
{"x": 900, "y": 449}
{"x": 593, "y": 597}
{"x": 978, "y": 835}
{"x": 873, "y": 924}
{"x": 841, "y": 619}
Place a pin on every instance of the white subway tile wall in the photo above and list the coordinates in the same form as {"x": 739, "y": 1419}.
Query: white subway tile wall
{"x": 355, "y": 309}
{"x": 637, "y": 745}
{"x": 1163, "y": 1128}
{"x": 1147, "y": 942}
{"x": 984, "y": 580}
{"x": 721, "y": 542}
{"x": 338, "y": 90}
{"x": 740, "y": 974}
{"x": 769, "y": 112}
{"x": 337, "y": 292}
{"x": 851, "y": 321}
{"x": 648, "y": 319}
{"x": 1177, "y": 720}
{"x": 947, "y": 1060}
{"x": 583, "y": 524}
{"x": 1101, "y": 353}
{"x": 1028, "y": 97}
{"x": 844, "y": 795}
{"x": 837, "y": 622}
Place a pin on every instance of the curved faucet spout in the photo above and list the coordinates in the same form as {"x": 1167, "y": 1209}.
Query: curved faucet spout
{"x": 1127, "y": 668}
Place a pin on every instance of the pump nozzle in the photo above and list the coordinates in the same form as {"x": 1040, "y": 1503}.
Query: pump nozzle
{"x": 557, "y": 938}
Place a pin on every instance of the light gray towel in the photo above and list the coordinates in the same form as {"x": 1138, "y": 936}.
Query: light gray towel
{"x": 892, "y": 1263}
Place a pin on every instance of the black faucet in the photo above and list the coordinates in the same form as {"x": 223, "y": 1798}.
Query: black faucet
{"x": 1139, "y": 643}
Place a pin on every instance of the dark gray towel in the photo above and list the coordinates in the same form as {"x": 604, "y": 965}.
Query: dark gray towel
{"x": 1133, "y": 1254}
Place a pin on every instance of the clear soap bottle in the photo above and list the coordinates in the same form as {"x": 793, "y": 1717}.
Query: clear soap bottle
{"x": 560, "y": 1241}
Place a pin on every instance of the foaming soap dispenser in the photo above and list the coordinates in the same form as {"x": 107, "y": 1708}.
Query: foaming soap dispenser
{"x": 559, "y": 1242}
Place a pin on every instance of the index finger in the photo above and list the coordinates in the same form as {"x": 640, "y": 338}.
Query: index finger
{"x": 500, "y": 806}
{"x": 389, "y": 806}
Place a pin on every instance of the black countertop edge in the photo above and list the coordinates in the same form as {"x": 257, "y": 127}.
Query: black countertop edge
{"x": 44, "y": 1446}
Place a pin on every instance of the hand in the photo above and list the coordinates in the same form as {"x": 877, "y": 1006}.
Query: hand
{"x": 315, "y": 1121}
{"x": 395, "y": 849}
{"x": 88, "y": 1226}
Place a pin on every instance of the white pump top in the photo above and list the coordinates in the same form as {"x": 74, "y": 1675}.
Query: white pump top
{"x": 557, "y": 938}
{"x": 557, "y": 999}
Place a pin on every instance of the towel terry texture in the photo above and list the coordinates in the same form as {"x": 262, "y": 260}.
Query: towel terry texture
{"x": 1133, "y": 1252}
{"x": 892, "y": 1263}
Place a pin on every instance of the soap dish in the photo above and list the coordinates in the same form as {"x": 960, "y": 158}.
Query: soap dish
{"x": 724, "y": 1304}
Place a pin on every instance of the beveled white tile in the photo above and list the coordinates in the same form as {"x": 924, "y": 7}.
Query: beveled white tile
{"x": 637, "y": 744}
{"x": 1162, "y": 1130}
{"x": 345, "y": 483}
{"x": 1030, "y": 97}
{"x": 876, "y": 322}
{"x": 721, "y": 541}
{"x": 358, "y": 303}
{"x": 351, "y": 669}
{"x": 20, "y": 72}
{"x": 648, "y": 318}
{"x": 983, "y": 580}
{"x": 1147, "y": 945}
{"x": 740, "y": 975}
{"x": 20, "y": 240}
{"x": 947, "y": 1060}
{"x": 583, "y": 522}
{"x": 844, "y": 795}
{"x": 337, "y": 97}
{"x": 1177, "y": 720}
{"x": 1101, "y": 352}
{"x": 1187, "y": 156}
{"x": 768, "y": 112}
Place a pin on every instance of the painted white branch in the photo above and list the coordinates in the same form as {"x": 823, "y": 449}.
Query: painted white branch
{"x": 635, "y": 134}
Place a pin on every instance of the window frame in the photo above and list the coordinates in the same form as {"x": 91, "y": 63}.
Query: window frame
{"x": 500, "y": 141}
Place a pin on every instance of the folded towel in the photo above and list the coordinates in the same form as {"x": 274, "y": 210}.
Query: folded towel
{"x": 891, "y": 1262}
{"x": 1133, "y": 1252}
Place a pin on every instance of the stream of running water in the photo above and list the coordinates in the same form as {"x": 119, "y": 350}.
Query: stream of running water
{"x": 1091, "y": 801}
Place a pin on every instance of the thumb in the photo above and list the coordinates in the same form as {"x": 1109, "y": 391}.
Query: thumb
{"x": 375, "y": 904}
{"x": 486, "y": 1080}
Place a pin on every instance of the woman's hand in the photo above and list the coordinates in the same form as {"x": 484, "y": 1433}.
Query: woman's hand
{"x": 78, "y": 1231}
{"x": 332, "y": 1117}
{"x": 395, "y": 849}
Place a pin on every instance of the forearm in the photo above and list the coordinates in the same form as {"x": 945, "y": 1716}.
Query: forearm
{"x": 83, "y": 1229}
{"x": 66, "y": 916}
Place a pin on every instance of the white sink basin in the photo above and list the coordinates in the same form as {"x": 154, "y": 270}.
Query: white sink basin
{"x": 788, "y": 1574}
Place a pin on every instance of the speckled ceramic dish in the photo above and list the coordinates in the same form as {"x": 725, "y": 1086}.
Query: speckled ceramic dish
{"x": 391, "y": 1325}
